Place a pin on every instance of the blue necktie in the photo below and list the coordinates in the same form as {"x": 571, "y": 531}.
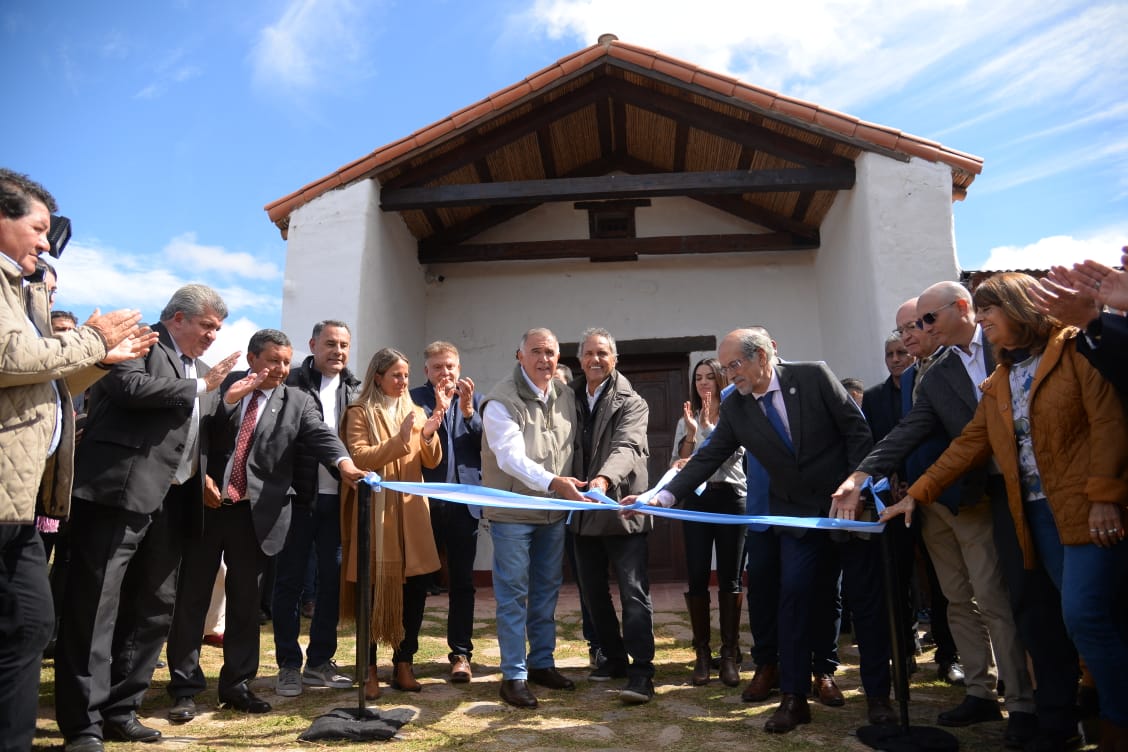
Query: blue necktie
{"x": 776, "y": 420}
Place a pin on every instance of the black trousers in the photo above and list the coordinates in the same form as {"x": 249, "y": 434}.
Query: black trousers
{"x": 120, "y": 589}
{"x": 228, "y": 533}
{"x": 628, "y": 556}
{"x": 456, "y": 530}
{"x": 27, "y": 619}
{"x": 702, "y": 537}
{"x": 1036, "y": 604}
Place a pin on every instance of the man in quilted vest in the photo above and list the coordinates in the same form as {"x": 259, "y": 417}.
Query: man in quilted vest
{"x": 529, "y": 447}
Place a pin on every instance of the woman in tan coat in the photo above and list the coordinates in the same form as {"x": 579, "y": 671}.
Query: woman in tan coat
{"x": 1056, "y": 429}
{"x": 386, "y": 433}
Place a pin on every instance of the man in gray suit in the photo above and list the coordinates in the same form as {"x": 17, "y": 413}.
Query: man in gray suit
{"x": 802, "y": 426}
{"x": 138, "y": 488}
{"x": 254, "y": 443}
{"x": 960, "y": 538}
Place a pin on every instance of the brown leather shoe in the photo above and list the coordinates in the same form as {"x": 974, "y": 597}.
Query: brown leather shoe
{"x": 793, "y": 710}
{"x": 825, "y": 690}
{"x": 403, "y": 678}
{"x": 880, "y": 712}
{"x": 763, "y": 682}
{"x": 372, "y": 689}
{"x": 516, "y": 692}
{"x": 460, "y": 672}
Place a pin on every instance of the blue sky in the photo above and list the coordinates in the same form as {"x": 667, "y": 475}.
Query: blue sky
{"x": 164, "y": 126}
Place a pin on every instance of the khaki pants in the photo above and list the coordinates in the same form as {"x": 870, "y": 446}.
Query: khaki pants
{"x": 962, "y": 548}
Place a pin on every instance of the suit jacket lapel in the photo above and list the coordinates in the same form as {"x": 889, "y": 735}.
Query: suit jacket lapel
{"x": 268, "y": 413}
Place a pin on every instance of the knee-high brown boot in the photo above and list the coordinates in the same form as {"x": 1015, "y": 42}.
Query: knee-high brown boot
{"x": 698, "y": 607}
{"x": 729, "y": 606}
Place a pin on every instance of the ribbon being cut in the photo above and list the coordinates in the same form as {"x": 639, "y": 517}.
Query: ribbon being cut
{"x": 491, "y": 497}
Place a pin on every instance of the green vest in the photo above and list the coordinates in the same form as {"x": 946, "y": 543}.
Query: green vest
{"x": 549, "y": 430}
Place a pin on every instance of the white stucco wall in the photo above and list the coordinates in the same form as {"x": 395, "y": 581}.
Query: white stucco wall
{"x": 346, "y": 259}
{"x": 882, "y": 243}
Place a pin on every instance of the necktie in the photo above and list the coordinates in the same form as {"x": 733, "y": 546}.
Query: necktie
{"x": 776, "y": 420}
{"x": 237, "y": 484}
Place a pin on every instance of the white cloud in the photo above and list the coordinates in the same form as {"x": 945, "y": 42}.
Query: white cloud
{"x": 92, "y": 275}
{"x": 169, "y": 71}
{"x": 184, "y": 251}
{"x": 314, "y": 43}
{"x": 233, "y": 337}
{"x": 1103, "y": 246}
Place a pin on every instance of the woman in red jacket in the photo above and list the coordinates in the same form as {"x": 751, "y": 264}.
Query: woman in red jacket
{"x": 1056, "y": 429}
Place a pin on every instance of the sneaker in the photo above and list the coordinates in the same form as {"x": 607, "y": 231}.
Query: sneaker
{"x": 595, "y": 658}
{"x": 639, "y": 689}
{"x": 289, "y": 682}
{"x": 607, "y": 671}
{"x": 326, "y": 675}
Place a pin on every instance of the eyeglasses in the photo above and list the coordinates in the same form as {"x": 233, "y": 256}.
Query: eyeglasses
{"x": 930, "y": 318}
{"x": 901, "y": 331}
{"x": 734, "y": 365}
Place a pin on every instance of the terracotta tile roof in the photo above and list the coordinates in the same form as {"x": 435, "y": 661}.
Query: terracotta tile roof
{"x": 797, "y": 111}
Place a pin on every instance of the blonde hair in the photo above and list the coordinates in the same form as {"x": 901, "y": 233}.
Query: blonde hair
{"x": 373, "y": 397}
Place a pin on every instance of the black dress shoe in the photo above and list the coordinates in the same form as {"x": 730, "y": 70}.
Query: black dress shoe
{"x": 551, "y": 678}
{"x": 183, "y": 710}
{"x": 516, "y": 693}
{"x": 84, "y": 743}
{"x": 971, "y": 710}
{"x": 879, "y": 712}
{"x": 792, "y": 711}
{"x": 242, "y": 698}
{"x": 1021, "y": 729}
{"x": 129, "y": 730}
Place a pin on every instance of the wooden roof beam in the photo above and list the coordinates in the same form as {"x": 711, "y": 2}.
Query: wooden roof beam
{"x": 620, "y": 186}
{"x": 614, "y": 249}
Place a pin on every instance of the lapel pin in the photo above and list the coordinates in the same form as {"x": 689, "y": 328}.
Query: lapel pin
{"x": 791, "y": 390}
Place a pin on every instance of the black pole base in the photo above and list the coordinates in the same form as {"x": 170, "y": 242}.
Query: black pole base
{"x": 907, "y": 739}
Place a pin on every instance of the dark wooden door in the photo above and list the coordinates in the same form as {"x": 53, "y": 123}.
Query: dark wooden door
{"x": 662, "y": 382}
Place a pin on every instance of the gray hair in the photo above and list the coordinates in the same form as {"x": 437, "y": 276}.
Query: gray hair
{"x": 756, "y": 339}
{"x": 195, "y": 300}
{"x": 320, "y": 326}
{"x": 264, "y": 337}
{"x": 535, "y": 331}
{"x": 596, "y": 331}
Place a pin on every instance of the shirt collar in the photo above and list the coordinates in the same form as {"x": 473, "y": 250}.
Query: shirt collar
{"x": 542, "y": 395}
{"x": 773, "y": 385}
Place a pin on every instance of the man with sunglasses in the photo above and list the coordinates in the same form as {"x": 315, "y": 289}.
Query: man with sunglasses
{"x": 975, "y": 560}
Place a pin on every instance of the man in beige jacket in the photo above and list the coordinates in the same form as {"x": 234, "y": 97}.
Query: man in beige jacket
{"x": 37, "y": 374}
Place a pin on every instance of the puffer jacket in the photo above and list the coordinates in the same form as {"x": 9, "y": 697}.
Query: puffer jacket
{"x": 306, "y": 465}
{"x": 1080, "y": 438}
{"x": 28, "y": 365}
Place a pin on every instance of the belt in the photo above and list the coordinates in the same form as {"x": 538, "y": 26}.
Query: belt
{"x": 717, "y": 485}
{"x": 230, "y": 502}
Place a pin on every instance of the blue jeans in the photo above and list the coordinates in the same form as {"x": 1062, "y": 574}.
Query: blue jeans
{"x": 317, "y": 527}
{"x": 1093, "y": 582}
{"x": 527, "y": 573}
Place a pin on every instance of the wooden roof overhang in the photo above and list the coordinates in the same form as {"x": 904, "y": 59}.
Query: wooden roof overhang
{"x": 623, "y": 125}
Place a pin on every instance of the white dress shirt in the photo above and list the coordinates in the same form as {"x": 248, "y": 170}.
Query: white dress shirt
{"x": 508, "y": 444}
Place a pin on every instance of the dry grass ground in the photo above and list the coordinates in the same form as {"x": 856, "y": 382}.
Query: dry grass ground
{"x": 472, "y": 717}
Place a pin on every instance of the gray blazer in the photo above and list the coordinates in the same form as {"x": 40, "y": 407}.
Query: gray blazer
{"x": 289, "y": 415}
{"x": 828, "y": 431}
{"x": 945, "y": 399}
{"x": 136, "y": 429}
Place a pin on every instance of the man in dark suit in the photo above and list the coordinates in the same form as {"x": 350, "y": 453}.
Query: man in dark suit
{"x": 254, "y": 442}
{"x": 961, "y": 538}
{"x": 137, "y": 494}
{"x": 802, "y": 426}
{"x": 455, "y": 525}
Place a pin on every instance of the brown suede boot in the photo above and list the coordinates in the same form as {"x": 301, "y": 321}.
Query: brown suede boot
{"x": 729, "y": 605}
{"x": 404, "y": 679}
{"x": 698, "y": 607}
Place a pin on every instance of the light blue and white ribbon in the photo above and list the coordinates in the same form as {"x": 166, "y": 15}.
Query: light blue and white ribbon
{"x": 492, "y": 497}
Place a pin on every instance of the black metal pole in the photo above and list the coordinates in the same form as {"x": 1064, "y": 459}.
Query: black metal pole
{"x": 363, "y": 589}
